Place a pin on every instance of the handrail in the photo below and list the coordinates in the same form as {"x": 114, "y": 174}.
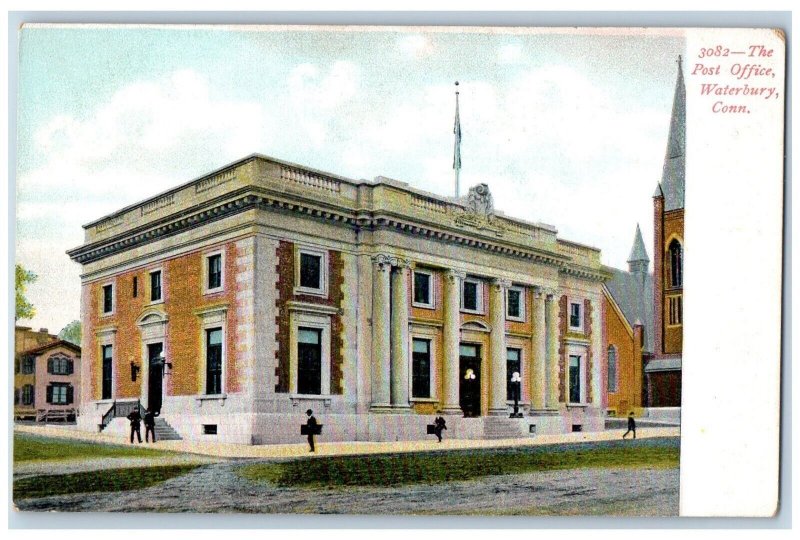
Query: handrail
{"x": 109, "y": 416}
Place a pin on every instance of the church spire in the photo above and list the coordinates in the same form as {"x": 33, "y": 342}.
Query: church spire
{"x": 638, "y": 259}
{"x": 673, "y": 177}
{"x": 457, "y": 148}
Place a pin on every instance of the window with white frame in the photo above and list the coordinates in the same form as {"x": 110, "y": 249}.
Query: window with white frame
{"x": 309, "y": 361}
{"x": 213, "y": 361}
{"x": 59, "y": 365}
{"x": 311, "y": 272}
{"x": 59, "y": 394}
{"x": 214, "y": 272}
{"x": 472, "y": 296}
{"x": 310, "y": 352}
{"x": 515, "y": 304}
{"x": 423, "y": 289}
{"x": 513, "y": 365}
{"x": 156, "y": 294}
{"x": 107, "y": 353}
{"x": 575, "y": 315}
{"x": 107, "y": 299}
{"x": 612, "y": 369}
{"x": 575, "y": 378}
{"x": 421, "y": 368}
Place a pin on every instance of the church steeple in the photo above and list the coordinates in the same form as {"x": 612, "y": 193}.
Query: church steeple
{"x": 673, "y": 177}
{"x": 638, "y": 261}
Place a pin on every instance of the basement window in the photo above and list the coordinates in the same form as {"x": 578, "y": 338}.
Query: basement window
{"x": 576, "y": 428}
{"x": 209, "y": 429}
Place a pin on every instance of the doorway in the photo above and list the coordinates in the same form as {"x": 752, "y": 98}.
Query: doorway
{"x": 470, "y": 379}
{"x": 155, "y": 379}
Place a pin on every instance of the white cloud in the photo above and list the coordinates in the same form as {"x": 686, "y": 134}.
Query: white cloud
{"x": 415, "y": 46}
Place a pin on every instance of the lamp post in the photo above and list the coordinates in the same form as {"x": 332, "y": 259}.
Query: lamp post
{"x": 162, "y": 361}
{"x": 516, "y": 381}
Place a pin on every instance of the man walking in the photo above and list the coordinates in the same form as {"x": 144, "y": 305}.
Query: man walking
{"x": 312, "y": 429}
{"x": 439, "y": 425}
{"x": 150, "y": 425}
{"x": 136, "y": 420}
{"x": 631, "y": 426}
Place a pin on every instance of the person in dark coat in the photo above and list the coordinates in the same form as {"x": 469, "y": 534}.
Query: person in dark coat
{"x": 631, "y": 426}
{"x": 312, "y": 427}
{"x": 150, "y": 425}
{"x": 439, "y": 425}
{"x": 136, "y": 420}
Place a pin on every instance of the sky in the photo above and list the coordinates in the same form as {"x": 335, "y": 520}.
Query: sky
{"x": 566, "y": 128}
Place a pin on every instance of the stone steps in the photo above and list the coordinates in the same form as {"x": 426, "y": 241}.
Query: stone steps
{"x": 165, "y": 432}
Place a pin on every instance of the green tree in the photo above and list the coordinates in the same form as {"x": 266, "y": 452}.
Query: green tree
{"x": 71, "y": 333}
{"x": 23, "y": 278}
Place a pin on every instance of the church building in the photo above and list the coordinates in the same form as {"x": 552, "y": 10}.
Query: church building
{"x": 240, "y": 299}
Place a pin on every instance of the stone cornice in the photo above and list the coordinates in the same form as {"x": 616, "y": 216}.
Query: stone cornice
{"x": 254, "y": 197}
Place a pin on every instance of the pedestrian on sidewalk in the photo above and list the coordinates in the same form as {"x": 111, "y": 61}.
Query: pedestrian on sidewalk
{"x": 149, "y": 425}
{"x": 312, "y": 429}
{"x": 439, "y": 425}
{"x": 631, "y": 426}
{"x": 136, "y": 420}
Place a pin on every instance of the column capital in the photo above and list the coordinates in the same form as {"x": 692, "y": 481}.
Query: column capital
{"x": 402, "y": 264}
{"x": 501, "y": 283}
{"x": 454, "y": 275}
{"x": 547, "y": 291}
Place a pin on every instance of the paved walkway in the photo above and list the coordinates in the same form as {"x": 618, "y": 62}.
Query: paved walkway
{"x": 278, "y": 451}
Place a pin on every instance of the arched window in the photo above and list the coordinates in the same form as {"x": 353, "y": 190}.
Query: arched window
{"x": 612, "y": 368}
{"x": 675, "y": 264}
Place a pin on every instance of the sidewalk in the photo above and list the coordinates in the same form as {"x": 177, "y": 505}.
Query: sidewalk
{"x": 278, "y": 451}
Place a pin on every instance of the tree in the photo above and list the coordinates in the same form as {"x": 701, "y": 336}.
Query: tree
{"x": 71, "y": 333}
{"x": 23, "y": 278}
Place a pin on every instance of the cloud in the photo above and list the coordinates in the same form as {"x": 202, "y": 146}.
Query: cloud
{"x": 415, "y": 46}
{"x": 509, "y": 54}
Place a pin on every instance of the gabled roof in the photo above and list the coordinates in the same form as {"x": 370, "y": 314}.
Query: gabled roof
{"x": 638, "y": 251}
{"x": 633, "y": 293}
{"x": 36, "y": 351}
{"x": 673, "y": 176}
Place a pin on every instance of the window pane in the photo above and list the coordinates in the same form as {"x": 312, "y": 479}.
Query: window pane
{"x": 155, "y": 286}
{"x": 308, "y": 335}
{"x": 612, "y": 369}
{"x": 310, "y": 271}
{"x": 309, "y": 362}
{"x": 574, "y": 379}
{"x": 107, "y": 299}
{"x": 215, "y": 336}
{"x": 421, "y": 346}
{"x": 421, "y": 369}
{"x": 470, "y": 296}
{"x": 422, "y": 288}
{"x": 514, "y": 303}
{"x": 575, "y": 315}
{"x": 468, "y": 350}
{"x": 214, "y": 361}
{"x": 214, "y": 271}
{"x": 513, "y": 365}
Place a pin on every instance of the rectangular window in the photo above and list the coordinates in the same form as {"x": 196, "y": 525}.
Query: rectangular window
{"x": 107, "y": 367}
{"x": 60, "y": 394}
{"x": 513, "y": 365}
{"x": 675, "y": 310}
{"x": 59, "y": 365}
{"x": 574, "y": 379}
{"x": 108, "y": 298}
{"x": 310, "y": 271}
{"x": 27, "y": 394}
{"x": 155, "y": 286}
{"x": 309, "y": 361}
{"x": 515, "y": 304}
{"x": 28, "y": 365}
{"x": 471, "y": 296}
{"x": 423, "y": 289}
{"x": 214, "y": 361}
{"x": 575, "y": 315}
{"x": 421, "y": 369}
{"x": 135, "y": 286}
{"x": 612, "y": 369}
{"x": 214, "y": 271}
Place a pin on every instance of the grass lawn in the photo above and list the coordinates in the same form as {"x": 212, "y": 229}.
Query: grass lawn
{"x": 89, "y": 482}
{"x": 436, "y": 467}
{"x": 36, "y": 448}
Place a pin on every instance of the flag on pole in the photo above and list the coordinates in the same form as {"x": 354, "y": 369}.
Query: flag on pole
{"x": 457, "y": 149}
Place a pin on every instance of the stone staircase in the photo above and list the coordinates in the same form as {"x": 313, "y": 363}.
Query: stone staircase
{"x": 497, "y": 427}
{"x": 165, "y": 432}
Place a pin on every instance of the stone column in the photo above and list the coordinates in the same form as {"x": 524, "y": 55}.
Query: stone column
{"x": 400, "y": 357}
{"x": 451, "y": 337}
{"x": 381, "y": 331}
{"x": 497, "y": 348}
{"x": 552, "y": 350}
{"x": 539, "y": 349}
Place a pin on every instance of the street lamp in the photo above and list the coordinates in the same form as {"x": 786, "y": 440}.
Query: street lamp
{"x": 516, "y": 382}
{"x": 162, "y": 361}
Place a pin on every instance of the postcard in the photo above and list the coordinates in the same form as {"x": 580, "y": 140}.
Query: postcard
{"x": 398, "y": 270}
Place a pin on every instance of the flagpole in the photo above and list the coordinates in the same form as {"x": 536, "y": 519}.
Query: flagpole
{"x": 457, "y": 149}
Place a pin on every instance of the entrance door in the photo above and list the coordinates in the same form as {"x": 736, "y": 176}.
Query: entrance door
{"x": 470, "y": 380}
{"x": 155, "y": 378}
